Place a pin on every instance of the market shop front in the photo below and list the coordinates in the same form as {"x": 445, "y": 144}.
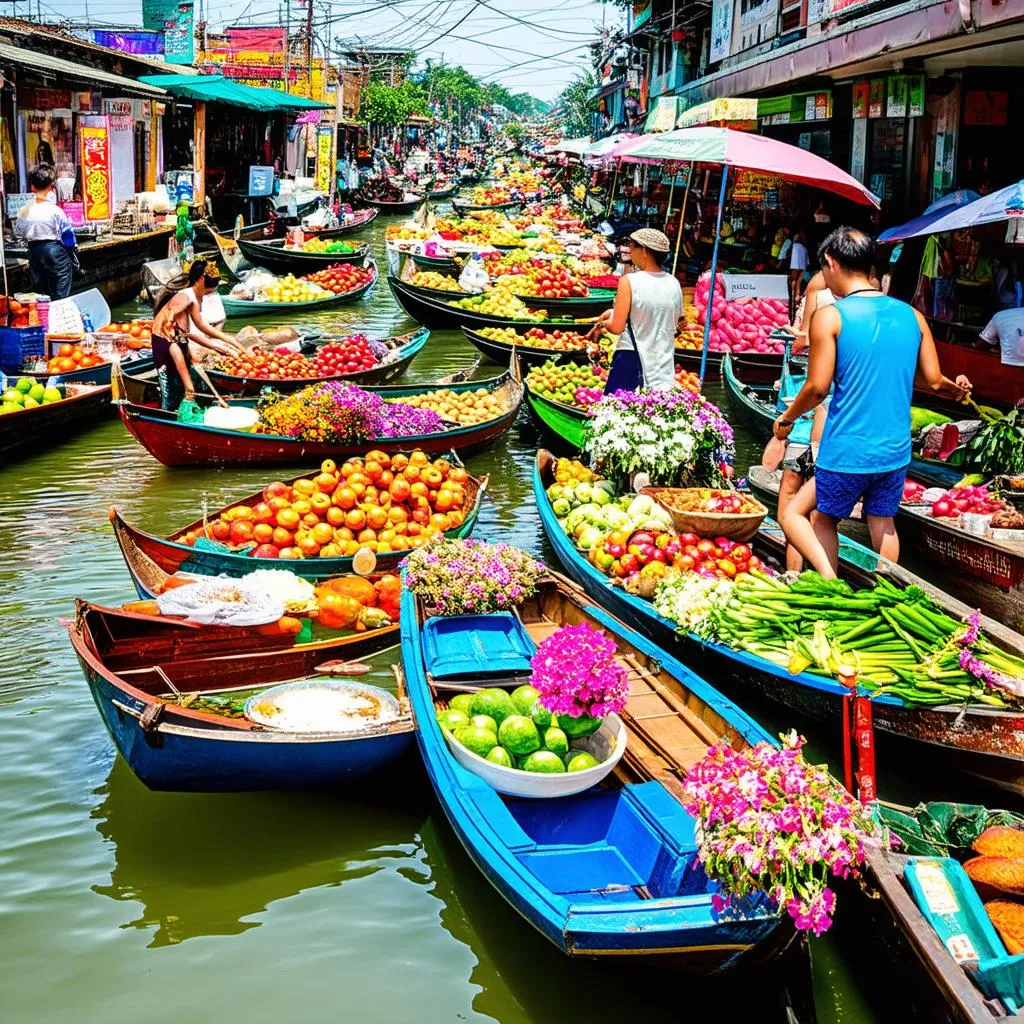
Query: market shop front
{"x": 102, "y": 133}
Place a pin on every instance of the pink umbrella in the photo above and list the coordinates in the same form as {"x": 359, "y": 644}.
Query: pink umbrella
{"x": 750, "y": 152}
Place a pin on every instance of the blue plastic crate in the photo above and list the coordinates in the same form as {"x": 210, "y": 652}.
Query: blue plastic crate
{"x": 18, "y": 344}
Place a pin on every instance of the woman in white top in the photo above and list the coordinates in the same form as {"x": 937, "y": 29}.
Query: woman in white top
{"x": 648, "y": 304}
{"x": 51, "y": 240}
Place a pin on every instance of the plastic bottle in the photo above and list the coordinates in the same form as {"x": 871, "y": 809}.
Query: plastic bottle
{"x": 88, "y": 337}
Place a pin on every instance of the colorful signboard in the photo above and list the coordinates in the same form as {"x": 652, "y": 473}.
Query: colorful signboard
{"x": 143, "y": 43}
{"x": 896, "y": 98}
{"x": 253, "y": 67}
{"x": 876, "y": 102}
{"x": 261, "y": 180}
{"x": 721, "y": 29}
{"x": 174, "y": 18}
{"x": 95, "y": 165}
{"x": 324, "y": 163}
{"x": 915, "y": 96}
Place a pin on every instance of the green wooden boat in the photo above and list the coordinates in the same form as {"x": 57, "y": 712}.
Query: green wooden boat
{"x": 565, "y": 422}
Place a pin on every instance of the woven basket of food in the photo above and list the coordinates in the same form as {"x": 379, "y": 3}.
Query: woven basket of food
{"x": 709, "y": 511}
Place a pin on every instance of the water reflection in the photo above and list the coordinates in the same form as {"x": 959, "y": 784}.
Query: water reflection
{"x": 211, "y": 865}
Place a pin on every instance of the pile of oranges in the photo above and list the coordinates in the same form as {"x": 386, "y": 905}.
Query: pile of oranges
{"x": 386, "y": 503}
{"x": 71, "y": 357}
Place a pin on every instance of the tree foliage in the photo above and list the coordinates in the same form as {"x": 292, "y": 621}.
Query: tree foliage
{"x": 392, "y": 106}
{"x": 577, "y": 109}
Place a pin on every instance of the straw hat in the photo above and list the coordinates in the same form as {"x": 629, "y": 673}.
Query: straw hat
{"x": 650, "y": 238}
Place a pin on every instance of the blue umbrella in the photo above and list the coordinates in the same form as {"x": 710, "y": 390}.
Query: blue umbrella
{"x": 922, "y": 225}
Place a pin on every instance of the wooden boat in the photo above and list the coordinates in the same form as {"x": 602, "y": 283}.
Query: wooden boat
{"x": 442, "y": 265}
{"x": 585, "y": 887}
{"x": 32, "y": 430}
{"x": 247, "y": 307}
{"x": 444, "y": 192}
{"x": 532, "y": 355}
{"x": 407, "y": 204}
{"x": 360, "y": 218}
{"x": 147, "y": 555}
{"x": 595, "y": 302}
{"x": 92, "y": 374}
{"x": 768, "y": 365}
{"x": 195, "y": 444}
{"x": 982, "y": 741}
{"x": 467, "y": 206}
{"x": 436, "y": 313}
{"x": 751, "y": 400}
{"x": 273, "y": 255}
{"x": 402, "y": 350}
{"x": 132, "y": 662}
{"x": 986, "y": 573}
{"x": 565, "y": 423}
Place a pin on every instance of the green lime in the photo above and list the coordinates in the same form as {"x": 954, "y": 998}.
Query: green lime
{"x": 452, "y": 720}
{"x": 24, "y": 384}
{"x": 524, "y": 697}
{"x": 581, "y": 760}
{"x": 479, "y": 741}
{"x": 499, "y": 755}
{"x": 30, "y": 402}
{"x": 518, "y": 735}
{"x": 556, "y": 741}
{"x": 51, "y": 395}
{"x": 12, "y": 396}
{"x": 37, "y": 391}
{"x": 543, "y": 761}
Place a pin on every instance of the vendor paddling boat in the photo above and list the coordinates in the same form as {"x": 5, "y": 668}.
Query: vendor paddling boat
{"x": 50, "y": 423}
{"x": 406, "y": 204}
{"x": 148, "y": 555}
{"x": 610, "y": 871}
{"x": 167, "y": 690}
{"x": 443, "y": 190}
{"x": 402, "y": 349}
{"x": 467, "y": 206}
{"x": 196, "y": 444}
{"x": 975, "y": 738}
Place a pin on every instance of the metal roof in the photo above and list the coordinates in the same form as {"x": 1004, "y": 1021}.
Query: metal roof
{"x": 57, "y": 67}
{"x": 217, "y": 89}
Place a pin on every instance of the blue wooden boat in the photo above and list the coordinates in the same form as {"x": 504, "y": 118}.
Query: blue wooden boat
{"x": 93, "y": 374}
{"x": 130, "y": 662}
{"x": 979, "y": 740}
{"x": 612, "y": 871}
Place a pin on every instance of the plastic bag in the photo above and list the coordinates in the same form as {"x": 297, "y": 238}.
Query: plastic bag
{"x": 222, "y": 602}
{"x": 474, "y": 278}
{"x": 189, "y": 412}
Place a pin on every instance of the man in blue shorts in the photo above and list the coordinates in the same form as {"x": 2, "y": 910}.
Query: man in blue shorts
{"x": 873, "y": 348}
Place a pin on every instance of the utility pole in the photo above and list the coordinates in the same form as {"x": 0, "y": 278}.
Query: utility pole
{"x": 309, "y": 44}
{"x": 287, "y": 45}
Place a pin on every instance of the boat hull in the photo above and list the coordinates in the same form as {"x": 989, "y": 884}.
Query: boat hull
{"x": 464, "y": 206}
{"x": 93, "y": 374}
{"x": 502, "y": 352}
{"x": 559, "y": 421}
{"x": 273, "y": 257}
{"x": 582, "y": 306}
{"x": 983, "y": 743}
{"x": 231, "y": 384}
{"x": 32, "y": 430}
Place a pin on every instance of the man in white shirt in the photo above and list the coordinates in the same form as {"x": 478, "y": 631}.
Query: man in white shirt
{"x": 1006, "y": 329}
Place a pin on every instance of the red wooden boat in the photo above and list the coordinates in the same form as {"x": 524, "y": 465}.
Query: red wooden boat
{"x": 994, "y": 382}
{"x": 31, "y": 430}
{"x": 148, "y": 556}
{"x": 195, "y": 444}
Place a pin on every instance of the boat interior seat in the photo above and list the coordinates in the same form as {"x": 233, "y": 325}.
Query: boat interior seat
{"x": 491, "y": 808}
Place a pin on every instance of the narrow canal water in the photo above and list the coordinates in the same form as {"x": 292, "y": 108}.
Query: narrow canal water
{"x": 118, "y": 904}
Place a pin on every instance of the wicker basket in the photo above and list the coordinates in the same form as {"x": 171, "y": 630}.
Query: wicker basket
{"x": 735, "y": 526}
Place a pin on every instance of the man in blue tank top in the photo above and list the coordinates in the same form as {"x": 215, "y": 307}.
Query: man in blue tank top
{"x": 873, "y": 348}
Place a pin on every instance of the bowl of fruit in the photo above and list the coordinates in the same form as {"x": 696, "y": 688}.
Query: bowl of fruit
{"x": 710, "y": 511}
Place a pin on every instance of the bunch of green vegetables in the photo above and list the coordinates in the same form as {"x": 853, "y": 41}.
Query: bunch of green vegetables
{"x": 998, "y": 447}
{"x": 895, "y": 640}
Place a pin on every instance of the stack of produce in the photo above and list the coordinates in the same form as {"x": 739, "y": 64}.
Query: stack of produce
{"x": 341, "y": 278}
{"x": 349, "y": 355}
{"x": 550, "y": 282}
{"x": 501, "y": 301}
{"x": 999, "y": 446}
{"x": 406, "y": 232}
{"x": 324, "y": 245}
{"x": 959, "y": 501}
{"x": 608, "y": 281}
{"x": 73, "y": 357}
{"x": 351, "y": 602}
{"x": 385, "y": 503}
{"x": 895, "y": 640}
{"x": 140, "y": 330}
{"x": 491, "y": 196}
{"x": 28, "y": 394}
{"x": 291, "y": 289}
{"x": 467, "y": 408}
{"x": 577, "y": 384}
{"x": 537, "y": 337}
{"x": 998, "y": 875}
{"x": 432, "y": 279}
{"x": 741, "y": 325}
{"x": 339, "y": 413}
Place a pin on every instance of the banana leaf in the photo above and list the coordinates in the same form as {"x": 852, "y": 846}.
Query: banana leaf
{"x": 943, "y": 829}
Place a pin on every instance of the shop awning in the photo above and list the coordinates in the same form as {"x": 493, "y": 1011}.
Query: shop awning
{"x": 753, "y": 153}
{"x": 573, "y": 146}
{"x": 218, "y": 89}
{"x": 1006, "y": 204}
{"x": 68, "y": 71}
{"x": 734, "y": 112}
{"x": 662, "y": 115}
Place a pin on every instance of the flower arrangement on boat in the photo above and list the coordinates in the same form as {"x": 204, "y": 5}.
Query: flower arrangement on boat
{"x": 458, "y": 577}
{"x": 675, "y": 437}
{"x": 771, "y": 823}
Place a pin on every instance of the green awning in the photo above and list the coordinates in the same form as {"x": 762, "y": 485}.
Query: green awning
{"x": 218, "y": 89}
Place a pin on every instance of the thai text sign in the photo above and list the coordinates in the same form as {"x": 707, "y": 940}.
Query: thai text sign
{"x": 324, "y": 146}
{"x": 95, "y": 163}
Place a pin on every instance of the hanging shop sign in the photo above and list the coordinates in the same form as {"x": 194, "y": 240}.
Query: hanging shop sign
{"x": 859, "y": 149}
{"x": 94, "y": 134}
{"x": 876, "y": 103}
{"x": 120, "y": 107}
{"x": 174, "y": 18}
{"x": 896, "y": 97}
{"x": 735, "y": 113}
{"x": 795, "y": 108}
{"x": 324, "y": 164}
{"x": 261, "y": 181}
{"x": 861, "y": 99}
{"x": 31, "y": 98}
{"x": 990, "y": 109}
{"x": 143, "y": 43}
{"x": 755, "y": 286}
{"x": 721, "y": 29}
{"x": 915, "y": 96}
{"x": 751, "y": 186}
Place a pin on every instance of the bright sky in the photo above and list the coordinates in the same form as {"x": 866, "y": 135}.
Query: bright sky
{"x": 532, "y": 46}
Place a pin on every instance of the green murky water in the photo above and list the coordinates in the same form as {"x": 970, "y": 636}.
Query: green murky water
{"x": 118, "y": 905}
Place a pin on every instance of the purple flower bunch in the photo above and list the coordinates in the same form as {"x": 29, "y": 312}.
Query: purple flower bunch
{"x": 575, "y": 673}
{"x": 463, "y": 577}
{"x": 340, "y": 413}
{"x": 967, "y": 640}
{"x": 771, "y": 823}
